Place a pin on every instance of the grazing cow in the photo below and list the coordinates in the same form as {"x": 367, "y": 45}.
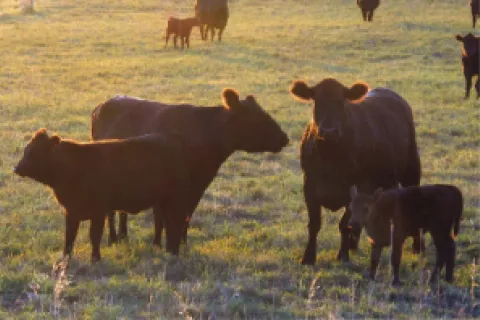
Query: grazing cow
{"x": 470, "y": 61}
{"x": 356, "y": 137}
{"x": 391, "y": 216}
{"x": 368, "y": 7}
{"x": 213, "y": 133}
{"x": 180, "y": 28}
{"x": 475, "y": 6}
{"x": 92, "y": 179}
{"x": 213, "y": 14}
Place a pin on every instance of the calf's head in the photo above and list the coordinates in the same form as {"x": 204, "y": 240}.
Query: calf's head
{"x": 361, "y": 207}
{"x": 36, "y": 162}
{"x": 329, "y": 98}
{"x": 249, "y": 127}
{"x": 471, "y": 44}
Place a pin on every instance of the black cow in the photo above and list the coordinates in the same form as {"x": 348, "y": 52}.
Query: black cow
{"x": 470, "y": 61}
{"x": 357, "y": 137}
{"x": 92, "y": 179}
{"x": 213, "y": 14}
{"x": 211, "y": 133}
{"x": 368, "y": 8}
{"x": 391, "y": 216}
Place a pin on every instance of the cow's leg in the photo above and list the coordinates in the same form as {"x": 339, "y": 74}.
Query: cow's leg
{"x": 71, "y": 230}
{"x": 202, "y": 32}
{"x": 175, "y": 41}
{"x": 167, "y": 36}
{"x": 182, "y": 38}
{"x": 477, "y": 86}
{"x": 398, "y": 239}
{"x": 346, "y": 236}
{"x": 418, "y": 245}
{"x": 175, "y": 225}
{"x": 158, "y": 217}
{"x": 468, "y": 85}
{"x": 96, "y": 231}
{"x": 441, "y": 255}
{"x": 364, "y": 15}
{"x": 450, "y": 248}
{"x": 314, "y": 221}
{"x": 374, "y": 260}
{"x": 187, "y": 40}
{"x": 112, "y": 235}
{"x": 212, "y": 33}
{"x": 220, "y": 32}
{"x": 122, "y": 226}
{"x": 370, "y": 16}
{"x": 474, "y": 20}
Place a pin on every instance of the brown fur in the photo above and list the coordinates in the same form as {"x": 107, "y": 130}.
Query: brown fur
{"x": 470, "y": 61}
{"x": 213, "y": 14}
{"x": 180, "y": 28}
{"x": 92, "y": 179}
{"x": 400, "y": 213}
{"x": 368, "y": 8}
{"x": 212, "y": 134}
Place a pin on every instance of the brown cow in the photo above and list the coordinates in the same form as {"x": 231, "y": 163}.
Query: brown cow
{"x": 92, "y": 179}
{"x": 470, "y": 61}
{"x": 180, "y": 28}
{"x": 391, "y": 216}
{"x": 213, "y": 14}
{"x": 213, "y": 133}
{"x": 475, "y": 7}
{"x": 368, "y": 8}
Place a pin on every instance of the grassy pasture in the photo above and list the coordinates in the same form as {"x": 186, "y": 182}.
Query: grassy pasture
{"x": 249, "y": 231}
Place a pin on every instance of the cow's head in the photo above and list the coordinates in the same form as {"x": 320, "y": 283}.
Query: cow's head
{"x": 361, "y": 207}
{"x": 471, "y": 44}
{"x": 329, "y": 97}
{"x": 37, "y": 157}
{"x": 250, "y": 128}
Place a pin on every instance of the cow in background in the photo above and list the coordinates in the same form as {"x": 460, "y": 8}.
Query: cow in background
{"x": 368, "y": 8}
{"x": 470, "y": 61}
{"x": 213, "y": 14}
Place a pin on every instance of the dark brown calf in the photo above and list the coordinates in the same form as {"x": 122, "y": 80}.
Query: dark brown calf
{"x": 368, "y": 7}
{"x": 92, "y": 179}
{"x": 475, "y": 6}
{"x": 391, "y": 216}
{"x": 470, "y": 61}
{"x": 180, "y": 28}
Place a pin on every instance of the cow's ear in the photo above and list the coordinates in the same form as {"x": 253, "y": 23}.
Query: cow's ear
{"x": 356, "y": 91}
{"x": 55, "y": 139}
{"x": 353, "y": 192}
{"x": 459, "y": 38}
{"x": 377, "y": 194}
{"x": 301, "y": 90}
{"x": 40, "y": 134}
{"x": 230, "y": 98}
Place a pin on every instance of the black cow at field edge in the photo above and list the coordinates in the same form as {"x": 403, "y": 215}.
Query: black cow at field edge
{"x": 470, "y": 61}
{"x": 368, "y": 8}
{"x": 391, "y": 216}
{"x": 92, "y": 179}
{"x": 475, "y": 6}
{"x": 370, "y": 143}
{"x": 213, "y": 133}
{"x": 213, "y": 14}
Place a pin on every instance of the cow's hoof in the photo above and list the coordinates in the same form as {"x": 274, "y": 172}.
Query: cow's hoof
{"x": 308, "y": 260}
{"x": 343, "y": 257}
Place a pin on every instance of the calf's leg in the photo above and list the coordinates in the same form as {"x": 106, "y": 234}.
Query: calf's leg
{"x": 112, "y": 235}
{"x": 96, "y": 231}
{"x": 314, "y": 221}
{"x": 468, "y": 84}
{"x": 167, "y": 36}
{"x": 442, "y": 254}
{"x": 398, "y": 239}
{"x": 346, "y": 236}
{"x": 374, "y": 260}
{"x": 122, "y": 226}
{"x": 158, "y": 217}
{"x": 71, "y": 230}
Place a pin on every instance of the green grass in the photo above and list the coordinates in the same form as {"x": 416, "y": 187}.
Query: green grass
{"x": 249, "y": 231}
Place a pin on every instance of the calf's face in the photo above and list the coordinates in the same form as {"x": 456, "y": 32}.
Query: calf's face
{"x": 471, "y": 44}
{"x": 250, "y": 127}
{"x": 36, "y": 161}
{"x": 329, "y": 97}
{"x": 361, "y": 207}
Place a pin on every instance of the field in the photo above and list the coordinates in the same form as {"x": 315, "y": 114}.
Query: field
{"x": 248, "y": 233}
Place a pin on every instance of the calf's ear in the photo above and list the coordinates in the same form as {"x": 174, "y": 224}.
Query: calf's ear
{"x": 41, "y": 133}
{"x": 459, "y": 38}
{"x": 356, "y": 91}
{"x": 55, "y": 139}
{"x": 230, "y": 98}
{"x": 301, "y": 90}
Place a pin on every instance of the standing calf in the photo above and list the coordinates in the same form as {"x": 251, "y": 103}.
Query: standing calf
{"x": 93, "y": 179}
{"x": 475, "y": 6}
{"x": 391, "y": 216}
{"x": 181, "y": 28}
{"x": 368, "y": 7}
{"x": 470, "y": 61}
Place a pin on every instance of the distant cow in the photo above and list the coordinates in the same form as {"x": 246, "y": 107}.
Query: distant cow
{"x": 393, "y": 215}
{"x": 475, "y": 6}
{"x": 180, "y": 28}
{"x": 368, "y": 7}
{"x": 356, "y": 137}
{"x": 213, "y": 133}
{"x": 213, "y": 14}
{"x": 470, "y": 61}
{"x": 92, "y": 179}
